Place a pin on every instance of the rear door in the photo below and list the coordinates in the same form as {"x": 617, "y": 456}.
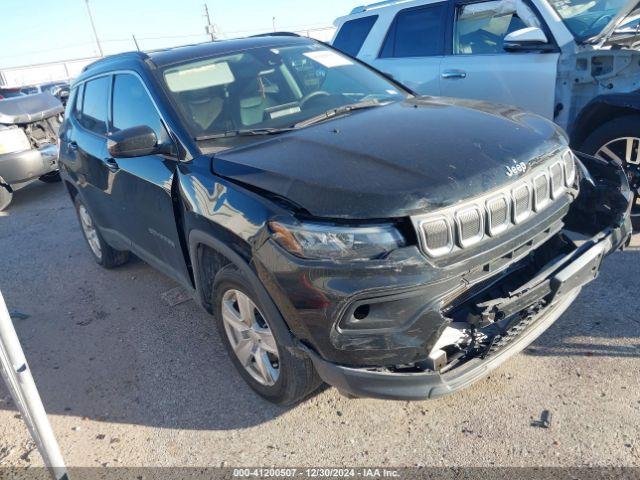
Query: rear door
{"x": 86, "y": 154}
{"x": 477, "y": 66}
{"x": 144, "y": 184}
{"x": 414, "y": 47}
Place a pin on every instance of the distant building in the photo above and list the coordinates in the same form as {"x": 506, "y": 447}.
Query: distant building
{"x": 69, "y": 69}
{"x": 43, "y": 72}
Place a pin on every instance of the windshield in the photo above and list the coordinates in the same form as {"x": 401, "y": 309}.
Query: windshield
{"x": 270, "y": 88}
{"x": 587, "y": 18}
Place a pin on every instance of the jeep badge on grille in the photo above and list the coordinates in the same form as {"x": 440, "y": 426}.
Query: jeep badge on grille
{"x": 516, "y": 169}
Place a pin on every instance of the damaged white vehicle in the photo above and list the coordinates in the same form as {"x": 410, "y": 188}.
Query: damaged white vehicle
{"x": 576, "y": 62}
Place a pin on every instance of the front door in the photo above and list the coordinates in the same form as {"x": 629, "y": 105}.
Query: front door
{"x": 144, "y": 184}
{"x": 479, "y": 68}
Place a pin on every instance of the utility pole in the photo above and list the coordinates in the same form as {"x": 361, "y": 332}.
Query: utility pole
{"x": 210, "y": 29}
{"x": 135, "y": 41}
{"x": 93, "y": 26}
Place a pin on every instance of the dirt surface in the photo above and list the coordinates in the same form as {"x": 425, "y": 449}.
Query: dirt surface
{"x": 129, "y": 380}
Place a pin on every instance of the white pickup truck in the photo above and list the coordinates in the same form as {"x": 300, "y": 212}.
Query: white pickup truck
{"x": 576, "y": 62}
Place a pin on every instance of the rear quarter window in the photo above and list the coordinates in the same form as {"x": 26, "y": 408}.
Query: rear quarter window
{"x": 353, "y": 34}
{"x": 416, "y": 32}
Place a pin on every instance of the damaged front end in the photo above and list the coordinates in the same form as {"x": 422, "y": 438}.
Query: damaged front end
{"x": 486, "y": 322}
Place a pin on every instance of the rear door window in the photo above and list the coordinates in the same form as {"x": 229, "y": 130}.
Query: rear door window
{"x": 416, "y": 32}
{"x": 353, "y": 33}
{"x": 95, "y": 105}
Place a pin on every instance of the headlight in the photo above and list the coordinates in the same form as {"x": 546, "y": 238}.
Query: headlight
{"x": 13, "y": 140}
{"x": 336, "y": 242}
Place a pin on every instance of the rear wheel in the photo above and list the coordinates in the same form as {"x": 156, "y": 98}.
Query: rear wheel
{"x": 255, "y": 342}
{"x": 5, "y": 195}
{"x": 102, "y": 253}
{"x": 619, "y": 139}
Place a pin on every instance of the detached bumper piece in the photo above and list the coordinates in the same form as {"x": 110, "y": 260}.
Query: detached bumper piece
{"x": 501, "y": 316}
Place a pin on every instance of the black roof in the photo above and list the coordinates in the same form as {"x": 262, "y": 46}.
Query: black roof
{"x": 163, "y": 58}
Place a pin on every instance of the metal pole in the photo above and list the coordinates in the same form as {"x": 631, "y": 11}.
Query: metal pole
{"x": 136, "y": 42}
{"x": 93, "y": 26}
{"x": 209, "y": 25}
{"x": 273, "y": 21}
{"x": 17, "y": 375}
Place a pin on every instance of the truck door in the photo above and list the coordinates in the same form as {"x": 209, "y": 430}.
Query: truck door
{"x": 413, "y": 48}
{"x": 144, "y": 183}
{"x": 478, "y": 67}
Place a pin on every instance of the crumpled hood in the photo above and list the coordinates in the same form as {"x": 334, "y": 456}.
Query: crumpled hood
{"x": 28, "y": 109}
{"x": 393, "y": 161}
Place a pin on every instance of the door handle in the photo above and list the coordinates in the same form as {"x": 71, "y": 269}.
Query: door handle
{"x": 454, "y": 74}
{"x": 111, "y": 164}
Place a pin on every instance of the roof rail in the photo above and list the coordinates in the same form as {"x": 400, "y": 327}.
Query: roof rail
{"x": 373, "y": 6}
{"x": 133, "y": 54}
{"x": 275, "y": 34}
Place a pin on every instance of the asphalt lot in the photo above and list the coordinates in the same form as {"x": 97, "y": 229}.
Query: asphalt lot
{"x": 130, "y": 381}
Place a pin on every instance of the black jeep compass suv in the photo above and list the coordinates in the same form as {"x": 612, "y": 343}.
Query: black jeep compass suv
{"x": 338, "y": 227}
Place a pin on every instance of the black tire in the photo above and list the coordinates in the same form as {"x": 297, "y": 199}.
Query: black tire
{"x": 297, "y": 377}
{"x": 626, "y": 126}
{"x": 107, "y": 257}
{"x": 51, "y": 177}
{"x": 5, "y": 195}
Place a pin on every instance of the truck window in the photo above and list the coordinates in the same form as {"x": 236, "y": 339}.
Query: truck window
{"x": 416, "y": 32}
{"x": 480, "y": 28}
{"x": 132, "y": 107}
{"x": 94, "y": 105}
{"x": 353, "y": 33}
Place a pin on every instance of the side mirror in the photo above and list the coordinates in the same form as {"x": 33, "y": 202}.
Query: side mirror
{"x": 531, "y": 38}
{"x": 133, "y": 142}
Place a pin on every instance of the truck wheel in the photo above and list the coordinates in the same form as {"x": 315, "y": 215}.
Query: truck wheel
{"x": 51, "y": 177}
{"x": 5, "y": 195}
{"x": 102, "y": 253}
{"x": 619, "y": 139}
{"x": 254, "y": 342}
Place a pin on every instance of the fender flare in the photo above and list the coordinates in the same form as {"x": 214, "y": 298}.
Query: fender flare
{"x": 583, "y": 123}
{"x": 198, "y": 238}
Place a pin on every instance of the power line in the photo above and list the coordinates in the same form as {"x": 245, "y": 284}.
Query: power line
{"x": 93, "y": 26}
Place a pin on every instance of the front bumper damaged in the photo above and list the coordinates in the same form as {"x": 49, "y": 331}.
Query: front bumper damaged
{"x": 497, "y": 326}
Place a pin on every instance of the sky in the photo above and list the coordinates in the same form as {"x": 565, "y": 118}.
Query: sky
{"x": 38, "y": 31}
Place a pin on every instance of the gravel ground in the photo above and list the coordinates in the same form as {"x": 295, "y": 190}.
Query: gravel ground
{"x": 130, "y": 381}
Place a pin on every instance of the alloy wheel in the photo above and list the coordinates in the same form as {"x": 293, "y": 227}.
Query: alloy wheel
{"x": 627, "y": 151}
{"x": 90, "y": 232}
{"x": 250, "y": 337}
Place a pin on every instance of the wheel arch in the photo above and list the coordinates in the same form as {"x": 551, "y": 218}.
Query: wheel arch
{"x": 600, "y": 110}
{"x": 208, "y": 255}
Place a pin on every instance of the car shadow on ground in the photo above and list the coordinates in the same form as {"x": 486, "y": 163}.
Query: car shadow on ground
{"x": 103, "y": 346}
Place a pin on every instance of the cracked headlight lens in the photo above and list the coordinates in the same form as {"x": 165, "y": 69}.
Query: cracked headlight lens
{"x": 335, "y": 242}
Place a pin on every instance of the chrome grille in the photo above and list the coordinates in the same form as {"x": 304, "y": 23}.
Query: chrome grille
{"x": 557, "y": 179}
{"x": 569, "y": 169}
{"x": 464, "y": 225}
{"x": 438, "y": 235}
{"x": 521, "y": 203}
{"x": 541, "y": 191}
{"x": 470, "y": 223}
{"x": 498, "y": 211}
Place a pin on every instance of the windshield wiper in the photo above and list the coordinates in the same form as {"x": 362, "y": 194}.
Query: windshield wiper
{"x": 334, "y": 112}
{"x": 244, "y": 133}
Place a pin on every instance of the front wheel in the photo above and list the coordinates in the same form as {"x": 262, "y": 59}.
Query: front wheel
{"x": 619, "y": 139}
{"x": 102, "y": 253}
{"x": 255, "y": 342}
